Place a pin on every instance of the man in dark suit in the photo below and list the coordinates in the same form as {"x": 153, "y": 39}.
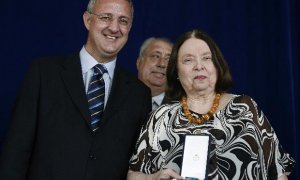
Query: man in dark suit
{"x": 51, "y": 135}
{"x": 152, "y": 64}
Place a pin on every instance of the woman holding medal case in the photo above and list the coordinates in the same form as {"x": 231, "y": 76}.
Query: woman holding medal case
{"x": 243, "y": 144}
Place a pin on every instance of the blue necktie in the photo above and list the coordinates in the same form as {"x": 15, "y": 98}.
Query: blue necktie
{"x": 95, "y": 95}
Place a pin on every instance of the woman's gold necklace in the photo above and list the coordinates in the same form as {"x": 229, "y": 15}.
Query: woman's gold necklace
{"x": 204, "y": 117}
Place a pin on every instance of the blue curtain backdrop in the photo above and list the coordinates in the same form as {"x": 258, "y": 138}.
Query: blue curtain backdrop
{"x": 259, "y": 38}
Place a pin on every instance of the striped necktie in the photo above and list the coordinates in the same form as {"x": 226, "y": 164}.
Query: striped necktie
{"x": 95, "y": 95}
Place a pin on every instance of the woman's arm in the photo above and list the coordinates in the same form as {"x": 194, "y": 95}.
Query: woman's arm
{"x": 283, "y": 177}
{"x": 134, "y": 175}
{"x": 166, "y": 173}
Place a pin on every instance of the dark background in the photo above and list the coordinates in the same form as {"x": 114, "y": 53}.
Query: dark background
{"x": 259, "y": 38}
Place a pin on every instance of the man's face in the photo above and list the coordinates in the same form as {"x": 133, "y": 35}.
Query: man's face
{"x": 152, "y": 65}
{"x": 108, "y": 24}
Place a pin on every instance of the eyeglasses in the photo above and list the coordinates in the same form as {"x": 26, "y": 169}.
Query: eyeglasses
{"x": 108, "y": 18}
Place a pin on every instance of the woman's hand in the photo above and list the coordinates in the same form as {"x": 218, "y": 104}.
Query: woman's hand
{"x": 165, "y": 173}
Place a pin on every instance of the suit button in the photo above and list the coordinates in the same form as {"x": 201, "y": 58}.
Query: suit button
{"x": 92, "y": 157}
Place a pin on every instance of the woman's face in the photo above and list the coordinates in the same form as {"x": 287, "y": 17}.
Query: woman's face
{"x": 196, "y": 71}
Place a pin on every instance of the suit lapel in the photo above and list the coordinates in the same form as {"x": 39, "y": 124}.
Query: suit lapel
{"x": 165, "y": 100}
{"x": 72, "y": 77}
{"x": 118, "y": 94}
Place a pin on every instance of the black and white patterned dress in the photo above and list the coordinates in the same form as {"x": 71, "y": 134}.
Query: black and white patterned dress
{"x": 243, "y": 143}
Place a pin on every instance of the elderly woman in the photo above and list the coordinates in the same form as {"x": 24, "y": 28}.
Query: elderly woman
{"x": 243, "y": 143}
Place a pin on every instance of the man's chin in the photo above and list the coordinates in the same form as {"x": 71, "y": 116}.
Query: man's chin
{"x": 158, "y": 83}
{"x": 110, "y": 52}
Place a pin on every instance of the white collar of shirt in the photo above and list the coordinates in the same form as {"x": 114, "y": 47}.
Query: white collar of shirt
{"x": 88, "y": 62}
{"x": 158, "y": 99}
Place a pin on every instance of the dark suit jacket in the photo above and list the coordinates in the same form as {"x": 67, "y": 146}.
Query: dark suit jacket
{"x": 50, "y": 137}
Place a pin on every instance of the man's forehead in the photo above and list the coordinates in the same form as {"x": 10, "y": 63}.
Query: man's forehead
{"x": 160, "y": 47}
{"x": 160, "y": 43}
{"x": 114, "y": 6}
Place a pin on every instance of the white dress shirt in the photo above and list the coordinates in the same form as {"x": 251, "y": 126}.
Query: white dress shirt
{"x": 157, "y": 100}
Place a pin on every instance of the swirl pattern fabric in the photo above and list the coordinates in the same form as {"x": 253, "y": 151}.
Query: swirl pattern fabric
{"x": 243, "y": 146}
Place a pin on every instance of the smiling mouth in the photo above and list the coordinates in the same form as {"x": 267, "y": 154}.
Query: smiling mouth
{"x": 200, "y": 77}
{"x": 111, "y": 37}
{"x": 160, "y": 73}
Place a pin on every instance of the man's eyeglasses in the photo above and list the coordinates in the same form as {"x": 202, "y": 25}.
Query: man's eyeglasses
{"x": 108, "y": 18}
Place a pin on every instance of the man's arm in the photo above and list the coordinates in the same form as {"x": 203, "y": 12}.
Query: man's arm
{"x": 18, "y": 145}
